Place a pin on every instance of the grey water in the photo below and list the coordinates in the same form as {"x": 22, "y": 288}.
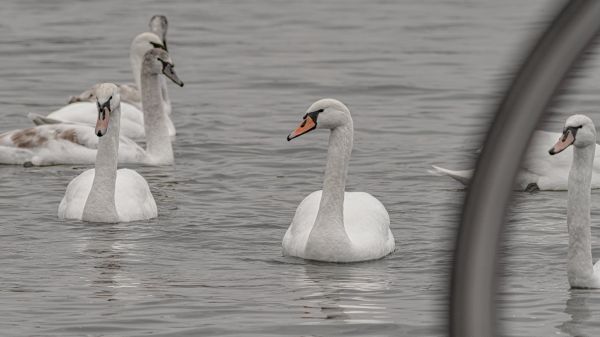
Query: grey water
{"x": 421, "y": 79}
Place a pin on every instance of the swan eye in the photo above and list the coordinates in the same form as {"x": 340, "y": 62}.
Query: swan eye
{"x": 165, "y": 63}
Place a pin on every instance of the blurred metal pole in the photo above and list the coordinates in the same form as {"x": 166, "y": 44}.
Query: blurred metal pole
{"x": 473, "y": 283}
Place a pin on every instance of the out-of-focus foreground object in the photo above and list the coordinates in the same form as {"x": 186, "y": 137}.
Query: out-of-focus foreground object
{"x": 473, "y": 282}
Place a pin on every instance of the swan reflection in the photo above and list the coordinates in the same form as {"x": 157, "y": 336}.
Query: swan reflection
{"x": 578, "y": 309}
{"x": 346, "y": 293}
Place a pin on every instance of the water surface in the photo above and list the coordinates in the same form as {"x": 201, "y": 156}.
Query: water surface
{"x": 420, "y": 79}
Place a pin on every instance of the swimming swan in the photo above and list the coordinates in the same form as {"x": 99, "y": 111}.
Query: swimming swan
{"x": 84, "y": 111}
{"x": 580, "y": 132}
{"x": 129, "y": 92}
{"x": 538, "y": 170}
{"x": 159, "y": 25}
{"x": 333, "y": 225}
{"x": 65, "y": 143}
{"x": 105, "y": 194}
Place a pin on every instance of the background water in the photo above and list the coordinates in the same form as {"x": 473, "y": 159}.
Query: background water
{"x": 420, "y": 79}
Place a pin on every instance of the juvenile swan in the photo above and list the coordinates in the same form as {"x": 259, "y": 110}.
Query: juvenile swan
{"x": 130, "y": 93}
{"x": 580, "y": 132}
{"x": 66, "y": 143}
{"x": 105, "y": 194}
{"x": 333, "y": 225}
{"x": 82, "y": 109}
{"x": 159, "y": 25}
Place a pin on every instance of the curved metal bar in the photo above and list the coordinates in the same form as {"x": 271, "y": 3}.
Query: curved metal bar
{"x": 473, "y": 283}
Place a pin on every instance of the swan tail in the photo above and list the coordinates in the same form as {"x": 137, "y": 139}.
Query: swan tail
{"x": 462, "y": 176}
{"x": 38, "y": 119}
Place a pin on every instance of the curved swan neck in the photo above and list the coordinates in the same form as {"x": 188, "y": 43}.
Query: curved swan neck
{"x": 136, "y": 68}
{"x": 158, "y": 143}
{"x": 164, "y": 93}
{"x": 336, "y": 171}
{"x": 328, "y": 237}
{"x": 100, "y": 204}
{"x": 579, "y": 264}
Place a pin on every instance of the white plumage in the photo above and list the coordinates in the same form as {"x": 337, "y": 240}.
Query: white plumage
{"x": 366, "y": 222}
{"x": 133, "y": 199}
{"x": 580, "y": 132}
{"x": 105, "y": 194}
{"x": 333, "y": 225}
{"x": 60, "y": 144}
{"x": 84, "y": 112}
{"x": 546, "y": 172}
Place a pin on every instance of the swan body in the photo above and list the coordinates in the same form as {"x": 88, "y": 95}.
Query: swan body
{"x": 366, "y": 223}
{"x": 538, "y": 169}
{"x": 133, "y": 199}
{"x": 82, "y": 110}
{"x": 71, "y": 143}
{"x": 333, "y": 225}
{"x": 59, "y": 144}
{"x": 105, "y": 194}
{"x": 580, "y": 132}
{"x": 84, "y": 113}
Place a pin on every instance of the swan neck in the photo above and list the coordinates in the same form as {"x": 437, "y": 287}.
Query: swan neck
{"x": 328, "y": 238}
{"x": 158, "y": 143}
{"x": 336, "y": 171}
{"x": 136, "y": 68}
{"x": 100, "y": 204}
{"x": 165, "y": 95}
{"x": 579, "y": 263}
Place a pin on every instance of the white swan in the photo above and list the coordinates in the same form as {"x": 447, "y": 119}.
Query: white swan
{"x": 64, "y": 143}
{"x": 333, "y": 225}
{"x": 538, "y": 170}
{"x": 105, "y": 194}
{"x": 84, "y": 111}
{"x": 580, "y": 132}
{"x": 129, "y": 92}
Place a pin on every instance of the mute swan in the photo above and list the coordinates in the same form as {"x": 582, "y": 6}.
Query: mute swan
{"x": 72, "y": 144}
{"x": 580, "y": 132}
{"x": 333, "y": 225}
{"x": 538, "y": 170}
{"x": 159, "y": 25}
{"x": 105, "y": 194}
{"x": 130, "y": 93}
{"x": 84, "y": 111}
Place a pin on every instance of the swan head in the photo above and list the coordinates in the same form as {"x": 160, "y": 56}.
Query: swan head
{"x": 144, "y": 42}
{"x": 107, "y": 100}
{"x": 325, "y": 113}
{"x": 86, "y": 96}
{"x": 140, "y": 45}
{"x": 579, "y": 131}
{"x": 159, "y": 26}
{"x": 157, "y": 61}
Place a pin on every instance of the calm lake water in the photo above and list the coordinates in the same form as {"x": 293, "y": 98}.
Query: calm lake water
{"x": 420, "y": 78}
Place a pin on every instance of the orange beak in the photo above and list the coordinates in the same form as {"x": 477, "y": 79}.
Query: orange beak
{"x": 563, "y": 142}
{"x": 102, "y": 122}
{"x": 307, "y": 125}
